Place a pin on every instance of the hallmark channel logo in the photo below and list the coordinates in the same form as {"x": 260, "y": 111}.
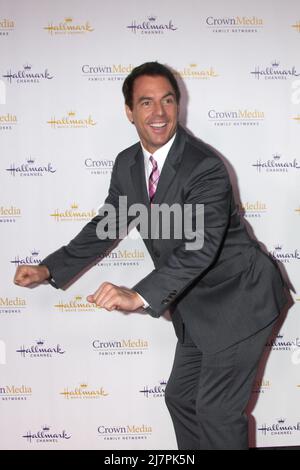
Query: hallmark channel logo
{"x": 297, "y": 119}
{"x": 193, "y": 72}
{"x": 32, "y": 258}
{"x": 45, "y": 435}
{"x": 73, "y": 214}
{"x": 97, "y": 167}
{"x": 83, "y": 392}
{"x": 121, "y": 258}
{"x": 69, "y": 27}
{"x": 296, "y": 26}
{"x": 152, "y": 25}
{"x": 281, "y": 343}
{"x": 6, "y": 26}
{"x": 274, "y": 72}
{"x": 76, "y": 305}
{"x": 31, "y": 168}
{"x": 9, "y": 214}
{"x": 126, "y": 432}
{"x": 15, "y": 393}
{"x": 40, "y": 349}
{"x": 276, "y": 164}
{"x": 71, "y": 121}
{"x": 155, "y": 391}
{"x": 8, "y": 122}
{"x": 234, "y": 24}
{"x": 279, "y": 427}
{"x": 121, "y": 347}
{"x": 106, "y": 73}
{"x": 252, "y": 210}
{"x": 236, "y": 118}
{"x": 284, "y": 256}
{"x": 27, "y": 75}
{"x": 261, "y": 386}
{"x": 12, "y": 305}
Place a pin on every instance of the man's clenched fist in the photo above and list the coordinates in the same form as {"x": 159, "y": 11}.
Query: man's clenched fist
{"x": 112, "y": 297}
{"x": 28, "y": 275}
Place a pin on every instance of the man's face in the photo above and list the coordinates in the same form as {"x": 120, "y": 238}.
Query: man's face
{"x": 154, "y": 111}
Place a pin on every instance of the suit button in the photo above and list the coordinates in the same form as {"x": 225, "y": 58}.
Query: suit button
{"x": 165, "y": 301}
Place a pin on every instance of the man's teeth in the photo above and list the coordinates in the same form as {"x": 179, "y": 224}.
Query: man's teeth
{"x": 163, "y": 124}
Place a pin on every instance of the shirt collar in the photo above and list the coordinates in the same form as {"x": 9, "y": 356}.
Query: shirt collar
{"x": 160, "y": 155}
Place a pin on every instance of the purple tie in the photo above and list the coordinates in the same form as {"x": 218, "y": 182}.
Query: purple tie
{"x": 153, "y": 178}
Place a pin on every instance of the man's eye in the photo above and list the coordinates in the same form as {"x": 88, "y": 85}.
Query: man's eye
{"x": 146, "y": 103}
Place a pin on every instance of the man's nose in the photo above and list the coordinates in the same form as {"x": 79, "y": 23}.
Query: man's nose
{"x": 159, "y": 109}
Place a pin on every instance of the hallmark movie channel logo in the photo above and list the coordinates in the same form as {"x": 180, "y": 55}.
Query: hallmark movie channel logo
{"x": 261, "y": 386}
{"x": 98, "y": 167}
{"x": 83, "y": 392}
{"x": 296, "y": 26}
{"x": 72, "y": 121}
{"x": 276, "y": 164}
{"x": 40, "y": 349}
{"x": 32, "y": 258}
{"x": 73, "y": 214}
{"x": 106, "y": 73}
{"x": 152, "y": 25}
{"x": 9, "y": 214}
{"x": 282, "y": 343}
{"x": 252, "y": 210}
{"x": 12, "y": 305}
{"x": 68, "y": 27}
{"x": 280, "y": 427}
{"x": 120, "y": 347}
{"x": 31, "y": 168}
{"x": 297, "y": 119}
{"x": 45, "y": 435}
{"x": 27, "y": 74}
{"x": 77, "y": 304}
{"x": 122, "y": 258}
{"x": 7, "y": 26}
{"x": 236, "y": 118}
{"x": 15, "y": 392}
{"x": 8, "y": 122}
{"x": 194, "y": 72}
{"x": 285, "y": 256}
{"x": 155, "y": 391}
{"x": 274, "y": 72}
{"x": 234, "y": 24}
{"x": 124, "y": 432}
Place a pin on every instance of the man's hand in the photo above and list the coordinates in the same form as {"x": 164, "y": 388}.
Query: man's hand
{"x": 112, "y": 297}
{"x": 28, "y": 275}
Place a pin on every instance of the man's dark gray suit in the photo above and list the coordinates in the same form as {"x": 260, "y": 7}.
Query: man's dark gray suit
{"x": 220, "y": 296}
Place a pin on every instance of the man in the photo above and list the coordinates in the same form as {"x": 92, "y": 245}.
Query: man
{"x": 224, "y": 296}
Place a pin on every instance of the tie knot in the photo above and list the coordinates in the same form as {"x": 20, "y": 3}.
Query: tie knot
{"x": 153, "y": 162}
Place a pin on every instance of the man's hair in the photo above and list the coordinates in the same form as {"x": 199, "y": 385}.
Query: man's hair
{"x": 152, "y": 69}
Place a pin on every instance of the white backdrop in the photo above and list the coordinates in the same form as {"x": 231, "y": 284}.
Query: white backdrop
{"x": 75, "y": 377}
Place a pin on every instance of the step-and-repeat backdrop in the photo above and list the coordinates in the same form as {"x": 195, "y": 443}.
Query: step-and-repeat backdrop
{"x": 76, "y": 377}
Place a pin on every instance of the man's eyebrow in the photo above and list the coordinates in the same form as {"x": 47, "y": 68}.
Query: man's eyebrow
{"x": 142, "y": 98}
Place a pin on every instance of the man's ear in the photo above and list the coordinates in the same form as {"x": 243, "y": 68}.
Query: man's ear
{"x": 129, "y": 114}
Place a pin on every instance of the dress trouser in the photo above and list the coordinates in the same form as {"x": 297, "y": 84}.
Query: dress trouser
{"x": 207, "y": 393}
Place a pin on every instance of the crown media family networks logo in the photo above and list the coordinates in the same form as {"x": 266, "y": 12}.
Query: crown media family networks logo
{"x": 234, "y": 24}
{"x": 8, "y": 122}
{"x": 120, "y": 347}
{"x": 12, "y": 305}
{"x": 106, "y": 72}
{"x": 15, "y": 392}
{"x": 236, "y": 117}
{"x": 9, "y": 214}
{"x": 7, "y": 26}
{"x": 125, "y": 432}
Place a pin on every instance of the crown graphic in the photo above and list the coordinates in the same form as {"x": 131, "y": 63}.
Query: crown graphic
{"x": 71, "y": 113}
{"x": 152, "y": 18}
{"x": 296, "y": 26}
{"x": 281, "y": 420}
{"x": 83, "y": 385}
{"x": 279, "y": 336}
{"x": 46, "y": 428}
{"x": 34, "y": 252}
{"x": 40, "y": 342}
{"x": 278, "y": 247}
{"x": 78, "y": 297}
{"x": 276, "y": 156}
{"x": 275, "y": 63}
{"x": 27, "y": 67}
{"x": 68, "y": 19}
{"x": 74, "y": 205}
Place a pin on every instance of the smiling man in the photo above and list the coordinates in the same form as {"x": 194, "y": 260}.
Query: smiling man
{"x": 223, "y": 296}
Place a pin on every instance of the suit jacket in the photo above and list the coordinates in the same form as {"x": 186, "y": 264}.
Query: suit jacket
{"x": 224, "y": 292}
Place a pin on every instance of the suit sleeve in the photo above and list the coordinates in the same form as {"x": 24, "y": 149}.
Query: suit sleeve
{"x": 211, "y": 187}
{"x": 68, "y": 261}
